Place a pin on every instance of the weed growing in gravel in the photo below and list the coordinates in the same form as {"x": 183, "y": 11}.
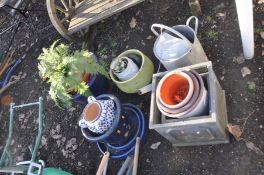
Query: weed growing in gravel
{"x": 209, "y": 19}
{"x": 212, "y": 35}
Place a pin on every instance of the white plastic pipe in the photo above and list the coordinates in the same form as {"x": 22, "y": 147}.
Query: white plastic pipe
{"x": 245, "y": 19}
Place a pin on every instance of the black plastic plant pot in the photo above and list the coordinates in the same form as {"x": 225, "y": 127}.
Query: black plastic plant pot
{"x": 98, "y": 84}
{"x": 122, "y": 152}
{"x": 120, "y": 131}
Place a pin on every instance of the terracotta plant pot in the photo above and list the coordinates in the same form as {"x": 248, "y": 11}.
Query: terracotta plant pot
{"x": 191, "y": 101}
{"x": 175, "y": 89}
{"x": 196, "y": 106}
{"x": 143, "y": 76}
{"x": 86, "y": 77}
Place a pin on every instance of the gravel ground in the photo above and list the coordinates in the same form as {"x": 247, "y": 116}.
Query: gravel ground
{"x": 62, "y": 143}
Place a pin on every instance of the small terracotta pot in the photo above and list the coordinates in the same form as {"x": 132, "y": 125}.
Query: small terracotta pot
{"x": 85, "y": 77}
{"x": 175, "y": 89}
{"x": 191, "y": 101}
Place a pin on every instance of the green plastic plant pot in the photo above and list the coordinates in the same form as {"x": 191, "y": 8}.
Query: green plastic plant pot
{"x": 143, "y": 76}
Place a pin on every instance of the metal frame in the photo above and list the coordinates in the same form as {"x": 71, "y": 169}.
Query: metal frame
{"x": 6, "y": 153}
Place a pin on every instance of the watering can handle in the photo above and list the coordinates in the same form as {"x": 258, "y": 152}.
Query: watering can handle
{"x": 196, "y": 23}
{"x": 161, "y": 26}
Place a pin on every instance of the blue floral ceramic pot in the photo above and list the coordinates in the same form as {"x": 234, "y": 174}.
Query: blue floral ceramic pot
{"x": 98, "y": 115}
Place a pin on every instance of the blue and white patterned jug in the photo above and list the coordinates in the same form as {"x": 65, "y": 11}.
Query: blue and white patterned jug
{"x": 98, "y": 115}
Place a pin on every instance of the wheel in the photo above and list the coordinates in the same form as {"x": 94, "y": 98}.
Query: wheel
{"x": 60, "y": 13}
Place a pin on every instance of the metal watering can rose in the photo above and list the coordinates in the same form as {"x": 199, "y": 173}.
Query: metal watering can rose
{"x": 98, "y": 115}
{"x": 178, "y": 46}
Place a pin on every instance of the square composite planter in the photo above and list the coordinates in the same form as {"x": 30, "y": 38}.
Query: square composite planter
{"x": 199, "y": 130}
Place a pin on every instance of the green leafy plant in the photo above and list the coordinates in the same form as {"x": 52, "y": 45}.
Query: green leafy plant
{"x": 65, "y": 71}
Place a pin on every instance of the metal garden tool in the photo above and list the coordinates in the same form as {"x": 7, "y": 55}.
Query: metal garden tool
{"x": 22, "y": 167}
{"x": 31, "y": 167}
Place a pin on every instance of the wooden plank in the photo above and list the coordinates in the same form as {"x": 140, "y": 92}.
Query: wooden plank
{"x": 98, "y": 15}
{"x": 95, "y": 7}
{"x": 86, "y": 4}
{"x": 93, "y": 10}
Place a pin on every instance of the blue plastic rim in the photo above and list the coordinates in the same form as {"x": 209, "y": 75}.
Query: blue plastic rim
{"x": 135, "y": 116}
{"x": 121, "y": 155}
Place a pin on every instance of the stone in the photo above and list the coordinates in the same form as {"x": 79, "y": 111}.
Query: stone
{"x": 245, "y": 71}
{"x": 155, "y": 145}
{"x": 262, "y": 34}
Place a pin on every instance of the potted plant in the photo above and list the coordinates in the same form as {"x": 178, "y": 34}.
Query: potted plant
{"x": 124, "y": 68}
{"x": 70, "y": 73}
{"x": 141, "y": 78}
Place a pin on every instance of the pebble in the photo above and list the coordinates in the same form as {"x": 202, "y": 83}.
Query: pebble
{"x": 43, "y": 141}
{"x": 260, "y": 1}
{"x": 222, "y": 5}
{"x": 221, "y": 15}
{"x": 262, "y": 35}
{"x": 155, "y": 145}
{"x": 245, "y": 71}
{"x": 150, "y": 37}
{"x": 71, "y": 109}
{"x": 24, "y": 75}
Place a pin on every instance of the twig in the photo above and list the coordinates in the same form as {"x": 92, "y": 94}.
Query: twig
{"x": 10, "y": 83}
{"x": 6, "y": 63}
{"x": 246, "y": 120}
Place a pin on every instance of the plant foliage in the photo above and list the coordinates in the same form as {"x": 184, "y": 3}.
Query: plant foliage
{"x": 65, "y": 70}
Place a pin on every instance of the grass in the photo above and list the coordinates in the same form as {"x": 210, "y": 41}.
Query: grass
{"x": 251, "y": 85}
{"x": 102, "y": 51}
{"x": 209, "y": 19}
{"x": 212, "y": 35}
{"x": 258, "y": 29}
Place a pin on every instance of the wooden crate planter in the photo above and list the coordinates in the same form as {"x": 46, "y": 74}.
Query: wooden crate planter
{"x": 200, "y": 130}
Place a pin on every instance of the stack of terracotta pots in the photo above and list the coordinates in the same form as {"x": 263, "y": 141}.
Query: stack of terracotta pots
{"x": 182, "y": 94}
